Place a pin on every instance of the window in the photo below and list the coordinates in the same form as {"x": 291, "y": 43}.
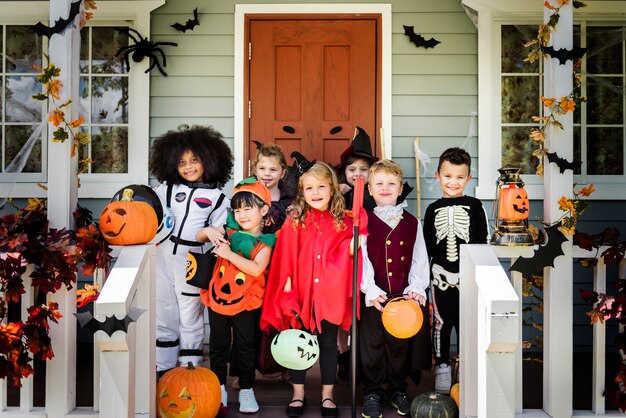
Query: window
{"x": 598, "y": 123}
{"x": 104, "y": 99}
{"x": 510, "y": 90}
{"x": 20, "y": 50}
{"x": 114, "y": 101}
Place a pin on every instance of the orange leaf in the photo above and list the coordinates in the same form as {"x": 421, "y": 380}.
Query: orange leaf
{"x": 586, "y": 191}
{"x": 548, "y": 101}
{"x": 56, "y": 117}
{"x": 77, "y": 122}
{"x": 53, "y": 87}
{"x": 567, "y": 104}
{"x": 86, "y": 295}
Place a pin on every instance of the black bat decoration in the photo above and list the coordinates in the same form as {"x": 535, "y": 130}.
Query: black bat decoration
{"x": 544, "y": 256}
{"x": 59, "y": 25}
{"x": 418, "y": 39}
{"x": 562, "y": 163}
{"x": 110, "y": 324}
{"x": 565, "y": 54}
{"x": 189, "y": 25}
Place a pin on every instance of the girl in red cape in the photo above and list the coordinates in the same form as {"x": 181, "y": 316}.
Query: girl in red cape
{"x": 311, "y": 275}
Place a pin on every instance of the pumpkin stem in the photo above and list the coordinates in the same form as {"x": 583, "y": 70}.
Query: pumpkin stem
{"x": 190, "y": 366}
{"x": 127, "y": 195}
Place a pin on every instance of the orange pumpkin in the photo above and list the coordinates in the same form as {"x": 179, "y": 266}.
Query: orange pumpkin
{"x": 127, "y": 222}
{"x": 186, "y": 392}
{"x": 455, "y": 395}
{"x": 402, "y": 317}
{"x": 513, "y": 204}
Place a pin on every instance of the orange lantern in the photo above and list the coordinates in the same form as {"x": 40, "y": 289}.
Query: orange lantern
{"x": 402, "y": 317}
{"x": 513, "y": 205}
{"x": 513, "y": 209}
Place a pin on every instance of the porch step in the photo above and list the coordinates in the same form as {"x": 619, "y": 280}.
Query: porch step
{"x": 273, "y": 395}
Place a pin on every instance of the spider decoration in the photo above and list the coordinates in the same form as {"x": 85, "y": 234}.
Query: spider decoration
{"x": 143, "y": 48}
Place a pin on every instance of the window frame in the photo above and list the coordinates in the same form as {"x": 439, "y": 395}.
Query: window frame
{"x": 492, "y": 14}
{"x": 134, "y": 14}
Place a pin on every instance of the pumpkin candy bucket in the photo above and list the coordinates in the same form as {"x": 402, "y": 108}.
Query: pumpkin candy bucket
{"x": 186, "y": 392}
{"x": 402, "y": 317}
{"x": 295, "y": 349}
{"x": 128, "y": 221}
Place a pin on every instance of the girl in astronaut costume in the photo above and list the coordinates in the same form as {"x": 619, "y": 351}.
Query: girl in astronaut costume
{"x": 192, "y": 165}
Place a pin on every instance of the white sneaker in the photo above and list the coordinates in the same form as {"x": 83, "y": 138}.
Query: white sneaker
{"x": 247, "y": 402}
{"x": 443, "y": 378}
{"x": 224, "y": 395}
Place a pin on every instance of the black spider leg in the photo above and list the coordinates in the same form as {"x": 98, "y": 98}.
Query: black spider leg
{"x": 130, "y": 35}
{"x": 129, "y": 50}
{"x": 155, "y": 58}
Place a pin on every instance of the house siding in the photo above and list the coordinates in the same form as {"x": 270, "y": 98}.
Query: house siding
{"x": 434, "y": 97}
{"x": 434, "y": 90}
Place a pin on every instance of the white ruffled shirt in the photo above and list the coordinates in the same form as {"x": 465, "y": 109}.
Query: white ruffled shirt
{"x": 419, "y": 273}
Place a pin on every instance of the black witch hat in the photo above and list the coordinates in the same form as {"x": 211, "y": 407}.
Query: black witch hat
{"x": 361, "y": 146}
{"x": 301, "y": 164}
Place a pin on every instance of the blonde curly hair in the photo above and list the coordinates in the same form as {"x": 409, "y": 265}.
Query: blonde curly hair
{"x": 337, "y": 205}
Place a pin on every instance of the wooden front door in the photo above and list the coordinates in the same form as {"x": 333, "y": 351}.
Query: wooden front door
{"x": 311, "y": 82}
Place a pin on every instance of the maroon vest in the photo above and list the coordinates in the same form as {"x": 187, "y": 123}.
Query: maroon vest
{"x": 391, "y": 251}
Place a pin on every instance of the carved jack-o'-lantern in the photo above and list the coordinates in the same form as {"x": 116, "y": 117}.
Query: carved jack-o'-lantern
{"x": 227, "y": 288}
{"x": 295, "y": 349}
{"x": 513, "y": 204}
{"x": 128, "y": 222}
{"x": 186, "y": 392}
{"x": 402, "y": 317}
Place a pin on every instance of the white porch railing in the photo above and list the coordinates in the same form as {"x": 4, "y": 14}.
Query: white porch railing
{"x": 491, "y": 332}
{"x": 124, "y": 364}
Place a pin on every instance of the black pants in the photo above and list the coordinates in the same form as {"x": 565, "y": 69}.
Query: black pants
{"x": 446, "y": 318}
{"x": 327, "y": 340}
{"x": 384, "y": 358}
{"x": 243, "y": 327}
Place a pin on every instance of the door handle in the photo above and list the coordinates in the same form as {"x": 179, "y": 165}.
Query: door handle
{"x": 289, "y": 129}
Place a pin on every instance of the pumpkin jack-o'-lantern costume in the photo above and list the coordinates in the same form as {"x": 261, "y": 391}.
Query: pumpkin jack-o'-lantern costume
{"x": 194, "y": 205}
{"x": 234, "y": 295}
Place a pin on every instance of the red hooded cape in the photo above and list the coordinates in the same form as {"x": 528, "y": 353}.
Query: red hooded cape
{"x": 317, "y": 258}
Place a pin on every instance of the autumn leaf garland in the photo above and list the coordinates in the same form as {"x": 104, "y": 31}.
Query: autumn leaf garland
{"x": 48, "y": 77}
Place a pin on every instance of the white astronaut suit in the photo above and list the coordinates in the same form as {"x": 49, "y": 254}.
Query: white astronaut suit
{"x": 179, "y": 309}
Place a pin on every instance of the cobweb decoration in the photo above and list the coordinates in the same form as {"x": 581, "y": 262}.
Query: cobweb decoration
{"x": 15, "y": 168}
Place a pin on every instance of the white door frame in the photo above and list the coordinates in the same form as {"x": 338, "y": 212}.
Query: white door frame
{"x": 243, "y": 9}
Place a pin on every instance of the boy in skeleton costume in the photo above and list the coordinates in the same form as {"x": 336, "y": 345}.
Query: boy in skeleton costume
{"x": 449, "y": 222}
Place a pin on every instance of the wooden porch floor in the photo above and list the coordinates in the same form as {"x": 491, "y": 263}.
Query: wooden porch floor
{"x": 273, "y": 396}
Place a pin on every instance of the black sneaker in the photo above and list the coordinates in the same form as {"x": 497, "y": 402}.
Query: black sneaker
{"x": 372, "y": 407}
{"x": 401, "y": 403}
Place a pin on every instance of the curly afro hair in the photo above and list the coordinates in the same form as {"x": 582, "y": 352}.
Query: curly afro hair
{"x": 204, "y": 141}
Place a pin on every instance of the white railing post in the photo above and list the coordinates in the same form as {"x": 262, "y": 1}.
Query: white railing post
{"x": 120, "y": 361}
{"x": 98, "y": 280}
{"x": 599, "y": 345}
{"x": 28, "y": 299}
{"x": 490, "y": 335}
{"x": 517, "y": 280}
{"x": 146, "y": 340}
